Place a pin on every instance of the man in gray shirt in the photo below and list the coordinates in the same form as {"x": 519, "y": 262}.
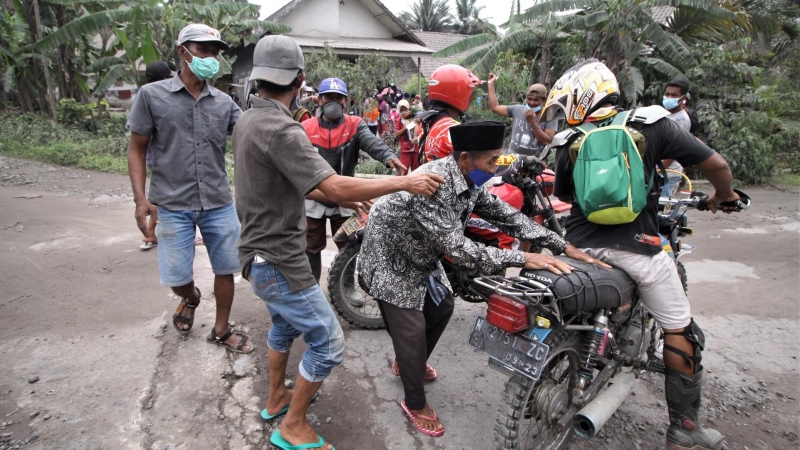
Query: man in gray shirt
{"x": 530, "y": 134}
{"x": 186, "y": 121}
{"x": 276, "y": 168}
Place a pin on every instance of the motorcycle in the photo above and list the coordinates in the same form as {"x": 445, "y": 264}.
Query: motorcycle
{"x": 572, "y": 345}
{"x": 527, "y": 190}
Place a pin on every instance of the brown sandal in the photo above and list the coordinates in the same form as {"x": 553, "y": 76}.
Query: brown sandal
{"x": 178, "y": 318}
{"x": 220, "y": 340}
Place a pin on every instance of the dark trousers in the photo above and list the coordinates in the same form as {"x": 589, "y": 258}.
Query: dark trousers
{"x": 414, "y": 336}
{"x": 316, "y": 240}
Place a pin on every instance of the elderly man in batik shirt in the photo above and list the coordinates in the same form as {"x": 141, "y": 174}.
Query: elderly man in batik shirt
{"x": 406, "y": 237}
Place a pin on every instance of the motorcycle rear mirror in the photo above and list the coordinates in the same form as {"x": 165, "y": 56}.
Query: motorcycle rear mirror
{"x": 744, "y": 198}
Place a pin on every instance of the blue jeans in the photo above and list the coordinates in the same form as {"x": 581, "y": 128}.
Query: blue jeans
{"x": 305, "y": 313}
{"x": 176, "y": 231}
{"x": 668, "y": 190}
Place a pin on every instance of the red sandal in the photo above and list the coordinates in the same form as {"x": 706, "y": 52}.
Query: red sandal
{"x": 428, "y": 368}
{"x": 419, "y": 427}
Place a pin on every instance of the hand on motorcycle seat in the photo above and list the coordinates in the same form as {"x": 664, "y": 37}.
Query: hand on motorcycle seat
{"x": 539, "y": 261}
{"x": 576, "y": 253}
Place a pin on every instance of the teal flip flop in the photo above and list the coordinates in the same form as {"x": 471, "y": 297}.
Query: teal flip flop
{"x": 277, "y": 440}
{"x": 266, "y": 416}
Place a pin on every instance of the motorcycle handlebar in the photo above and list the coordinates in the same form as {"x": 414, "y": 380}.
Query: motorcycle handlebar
{"x": 699, "y": 201}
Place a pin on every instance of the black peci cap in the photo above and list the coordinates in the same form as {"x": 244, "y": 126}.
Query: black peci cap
{"x": 478, "y": 136}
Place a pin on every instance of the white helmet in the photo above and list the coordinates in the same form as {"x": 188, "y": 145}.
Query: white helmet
{"x": 583, "y": 89}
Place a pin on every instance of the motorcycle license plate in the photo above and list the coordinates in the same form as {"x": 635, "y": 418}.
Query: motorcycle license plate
{"x": 352, "y": 225}
{"x": 515, "y": 351}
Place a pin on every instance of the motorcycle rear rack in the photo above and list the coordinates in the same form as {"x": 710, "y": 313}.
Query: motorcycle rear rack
{"x": 521, "y": 288}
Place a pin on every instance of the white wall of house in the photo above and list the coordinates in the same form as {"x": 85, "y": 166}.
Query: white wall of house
{"x": 318, "y": 18}
{"x": 356, "y": 21}
{"x": 330, "y": 19}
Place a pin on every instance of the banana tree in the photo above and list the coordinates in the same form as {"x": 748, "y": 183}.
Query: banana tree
{"x": 146, "y": 30}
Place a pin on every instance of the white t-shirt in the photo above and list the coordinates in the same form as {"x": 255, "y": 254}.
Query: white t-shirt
{"x": 682, "y": 119}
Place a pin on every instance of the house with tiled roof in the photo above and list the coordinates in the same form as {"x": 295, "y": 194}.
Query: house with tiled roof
{"x": 350, "y": 28}
{"x": 437, "y": 41}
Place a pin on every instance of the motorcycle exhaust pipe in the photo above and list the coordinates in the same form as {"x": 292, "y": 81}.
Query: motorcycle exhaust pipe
{"x": 589, "y": 420}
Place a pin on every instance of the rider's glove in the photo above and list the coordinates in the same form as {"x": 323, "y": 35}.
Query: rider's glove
{"x": 530, "y": 162}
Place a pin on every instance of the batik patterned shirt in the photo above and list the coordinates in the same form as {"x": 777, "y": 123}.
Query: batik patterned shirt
{"x": 407, "y": 235}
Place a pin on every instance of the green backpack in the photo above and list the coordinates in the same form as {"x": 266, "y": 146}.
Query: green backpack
{"x": 609, "y": 173}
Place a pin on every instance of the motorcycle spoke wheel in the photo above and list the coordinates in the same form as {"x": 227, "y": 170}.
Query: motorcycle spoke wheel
{"x": 348, "y": 298}
{"x": 528, "y": 415}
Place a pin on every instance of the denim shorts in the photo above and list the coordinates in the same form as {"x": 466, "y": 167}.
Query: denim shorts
{"x": 305, "y": 313}
{"x": 176, "y": 232}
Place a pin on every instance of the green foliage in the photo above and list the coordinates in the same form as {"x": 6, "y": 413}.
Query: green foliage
{"x": 361, "y": 76}
{"x": 414, "y": 84}
{"x": 513, "y": 77}
{"x": 32, "y": 136}
{"x": 372, "y": 167}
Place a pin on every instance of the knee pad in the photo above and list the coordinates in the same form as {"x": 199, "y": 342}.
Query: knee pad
{"x": 694, "y": 334}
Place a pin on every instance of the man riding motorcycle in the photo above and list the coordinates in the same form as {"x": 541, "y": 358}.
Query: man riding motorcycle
{"x": 450, "y": 90}
{"x": 589, "y": 93}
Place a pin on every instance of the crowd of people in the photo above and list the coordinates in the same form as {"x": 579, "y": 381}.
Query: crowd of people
{"x": 295, "y": 151}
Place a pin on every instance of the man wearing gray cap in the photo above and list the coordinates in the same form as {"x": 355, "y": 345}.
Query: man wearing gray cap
{"x": 530, "y": 134}
{"x": 186, "y": 122}
{"x": 276, "y": 167}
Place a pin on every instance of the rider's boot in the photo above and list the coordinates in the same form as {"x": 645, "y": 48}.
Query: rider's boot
{"x": 683, "y": 400}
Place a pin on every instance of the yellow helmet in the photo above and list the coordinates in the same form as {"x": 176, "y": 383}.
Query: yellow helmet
{"x": 583, "y": 89}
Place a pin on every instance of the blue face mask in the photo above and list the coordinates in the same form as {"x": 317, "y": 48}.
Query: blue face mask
{"x": 670, "y": 103}
{"x": 203, "y": 68}
{"x": 536, "y": 109}
{"x": 478, "y": 176}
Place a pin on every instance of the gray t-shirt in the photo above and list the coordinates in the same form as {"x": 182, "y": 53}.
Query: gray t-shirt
{"x": 684, "y": 122}
{"x": 276, "y": 167}
{"x": 188, "y": 138}
{"x": 522, "y": 138}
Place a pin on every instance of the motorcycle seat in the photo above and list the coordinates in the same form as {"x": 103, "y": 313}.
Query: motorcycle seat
{"x": 587, "y": 288}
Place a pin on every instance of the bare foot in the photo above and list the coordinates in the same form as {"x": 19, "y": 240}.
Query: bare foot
{"x": 430, "y": 425}
{"x": 278, "y": 401}
{"x": 186, "y": 312}
{"x": 301, "y": 433}
{"x": 430, "y": 374}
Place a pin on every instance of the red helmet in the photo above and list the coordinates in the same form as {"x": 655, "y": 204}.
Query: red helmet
{"x": 453, "y": 85}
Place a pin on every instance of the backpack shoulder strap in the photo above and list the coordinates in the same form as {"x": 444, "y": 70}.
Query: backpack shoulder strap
{"x": 621, "y": 118}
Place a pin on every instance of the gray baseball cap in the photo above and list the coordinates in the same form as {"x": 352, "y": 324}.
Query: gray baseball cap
{"x": 277, "y": 59}
{"x": 197, "y": 32}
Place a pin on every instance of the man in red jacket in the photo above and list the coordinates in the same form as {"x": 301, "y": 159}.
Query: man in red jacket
{"x": 338, "y": 138}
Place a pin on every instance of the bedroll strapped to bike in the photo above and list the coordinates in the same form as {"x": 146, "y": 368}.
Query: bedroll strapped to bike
{"x": 609, "y": 173}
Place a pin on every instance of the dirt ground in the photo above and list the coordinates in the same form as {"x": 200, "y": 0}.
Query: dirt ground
{"x": 89, "y": 359}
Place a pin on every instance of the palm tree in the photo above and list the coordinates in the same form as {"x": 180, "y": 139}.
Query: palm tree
{"x": 429, "y": 15}
{"x": 622, "y": 33}
{"x": 468, "y": 20}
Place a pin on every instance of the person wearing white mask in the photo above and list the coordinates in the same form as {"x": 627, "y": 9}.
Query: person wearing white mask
{"x": 530, "y": 133}
{"x": 673, "y": 101}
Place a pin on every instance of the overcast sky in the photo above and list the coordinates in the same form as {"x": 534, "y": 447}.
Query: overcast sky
{"x": 495, "y": 10}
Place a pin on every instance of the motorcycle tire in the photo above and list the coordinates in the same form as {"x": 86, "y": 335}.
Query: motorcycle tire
{"x": 529, "y": 410}
{"x": 684, "y": 277}
{"x": 348, "y": 299}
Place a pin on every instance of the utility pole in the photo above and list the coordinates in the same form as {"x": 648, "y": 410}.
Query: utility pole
{"x": 51, "y": 95}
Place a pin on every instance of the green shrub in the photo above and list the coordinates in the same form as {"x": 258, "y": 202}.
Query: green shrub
{"x": 373, "y": 167}
{"x": 71, "y": 144}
